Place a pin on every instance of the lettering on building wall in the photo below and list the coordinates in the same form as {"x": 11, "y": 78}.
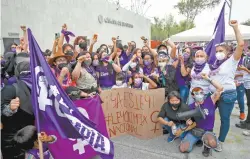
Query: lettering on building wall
{"x": 13, "y": 34}
{"x": 102, "y": 19}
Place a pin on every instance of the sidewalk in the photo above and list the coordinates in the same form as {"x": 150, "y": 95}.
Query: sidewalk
{"x": 236, "y": 146}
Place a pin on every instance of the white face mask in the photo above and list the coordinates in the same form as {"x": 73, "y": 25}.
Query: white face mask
{"x": 118, "y": 83}
{"x": 200, "y": 61}
{"x": 220, "y": 55}
{"x": 164, "y": 50}
{"x": 133, "y": 64}
{"x": 199, "y": 97}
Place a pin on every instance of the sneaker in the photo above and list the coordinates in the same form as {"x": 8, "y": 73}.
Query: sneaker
{"x": 206, "y": 151}
{"x": 171, "y": 138}
{"x": 246, "y": 133}
{"x": 199, "y": 143}
{"x": 243, "y": 125}
{"x": 219, "y": 147}
{"x": 242, "y": 116}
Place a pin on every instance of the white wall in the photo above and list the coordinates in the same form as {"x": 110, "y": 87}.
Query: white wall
{"x": 45, "y": 18}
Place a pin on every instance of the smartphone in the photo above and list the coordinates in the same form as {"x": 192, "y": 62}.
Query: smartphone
{"x": 57, "y": 35}
{"x": 95, "y": 36}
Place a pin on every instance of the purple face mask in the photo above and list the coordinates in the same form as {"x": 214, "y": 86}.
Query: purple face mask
{"x": 147, "y": 63}
{"x": 105, "y": 59}
{"x": 186, "y": 55}
{"x": 138, "y": 81}
{"x": 13, "y": 49}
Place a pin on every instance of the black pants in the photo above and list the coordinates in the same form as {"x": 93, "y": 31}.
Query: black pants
{"x": 248, "y": 105}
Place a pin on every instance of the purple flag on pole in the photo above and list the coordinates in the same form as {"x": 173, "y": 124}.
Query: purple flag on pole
{"x": 77, "y": 148}
{"x": 54, "y": 111}
{"x": 218, "y": 36}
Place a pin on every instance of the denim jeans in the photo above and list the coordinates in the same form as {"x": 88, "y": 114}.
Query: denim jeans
{"x": 177, "y": 126}
{"x": 240, "y": 97}
{"x": 184, "y": 91}
{"x": 226, "y": 105}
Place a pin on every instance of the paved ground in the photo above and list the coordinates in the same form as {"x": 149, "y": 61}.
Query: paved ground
{"x": 236, "y": 146}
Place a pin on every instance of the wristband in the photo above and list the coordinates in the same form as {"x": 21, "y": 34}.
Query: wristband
{"x": 209, "y": 80}
{"x": 111, "y": 62}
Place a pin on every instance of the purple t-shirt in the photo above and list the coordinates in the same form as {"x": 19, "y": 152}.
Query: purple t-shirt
{"x": 124, "y": 58}
{"x": 209, "y": 108}
{"x": 181, "y": 81}
{"x": 106, "y": 77}
{"x": 35, "y": 153}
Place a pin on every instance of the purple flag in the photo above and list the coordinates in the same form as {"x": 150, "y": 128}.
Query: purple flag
{"x": 218, "y": 36}
{"x": 54, "y": 111}
{"x": 77, "y": 148}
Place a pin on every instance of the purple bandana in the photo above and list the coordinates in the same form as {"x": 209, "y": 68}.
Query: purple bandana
{"x": 66, "y": 35}
{"x": 216, "y": 64}
{"x": 198, "y": 68}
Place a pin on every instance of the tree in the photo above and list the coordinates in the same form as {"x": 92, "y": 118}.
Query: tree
{"x": 191, "y": 8}
{"x": 165, "y": 27}
{"x": 247, "y": 22}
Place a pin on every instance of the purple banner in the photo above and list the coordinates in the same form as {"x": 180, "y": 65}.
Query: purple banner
{"x": 55, "y": 112}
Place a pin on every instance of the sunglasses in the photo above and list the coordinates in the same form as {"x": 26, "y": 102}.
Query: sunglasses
{"x": 221, "y": 44}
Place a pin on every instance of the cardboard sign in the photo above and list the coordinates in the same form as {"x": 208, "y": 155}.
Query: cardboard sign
{"x": 134, "y": 112}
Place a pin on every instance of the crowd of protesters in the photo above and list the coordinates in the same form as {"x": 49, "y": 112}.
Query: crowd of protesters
{"x": 83, "y": 72}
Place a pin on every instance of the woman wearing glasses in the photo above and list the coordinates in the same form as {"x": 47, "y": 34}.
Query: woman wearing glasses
{"x": 223, "y": 70}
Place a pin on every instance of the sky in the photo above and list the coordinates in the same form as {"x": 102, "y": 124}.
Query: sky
{"x": 161, "y": 8}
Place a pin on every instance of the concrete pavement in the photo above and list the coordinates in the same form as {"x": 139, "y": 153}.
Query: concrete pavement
{"x": 236, "y": 146}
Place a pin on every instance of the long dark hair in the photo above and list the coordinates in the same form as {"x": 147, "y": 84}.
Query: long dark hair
{"x": 153, "y": 64}
{"x": 190, "y": 60}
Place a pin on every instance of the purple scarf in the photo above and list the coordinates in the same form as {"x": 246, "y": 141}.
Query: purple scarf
{"x": 198, "y": 68}
{"x": 216, "y": 64}
{"x": 26, "y": 79}
{"x": 147, "y": 70}
{"x": 66, "y": 35}
{"x": 57, "y": 73}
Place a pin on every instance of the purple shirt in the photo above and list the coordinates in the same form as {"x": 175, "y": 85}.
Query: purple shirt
{"x": 181, "y": 81}
{"x": 35, "y": 154}
{"x": 124, "y": 58}
{"x": 209, "y": 108}
{"x": 106, "y": 77}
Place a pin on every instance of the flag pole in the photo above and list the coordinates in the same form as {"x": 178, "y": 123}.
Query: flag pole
{"x": 40, "y": 145}
{"x": 230, "y": 11}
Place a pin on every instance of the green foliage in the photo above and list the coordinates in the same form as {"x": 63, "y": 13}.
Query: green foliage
{"x": 247, "y": 22}
{"x": 165, "y": 27}
{"x": 191, "y": 8}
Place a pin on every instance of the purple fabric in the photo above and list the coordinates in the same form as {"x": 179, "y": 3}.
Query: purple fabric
{"x": 181, "y": 81}
{"x": 35, "y": 153}
{"x": 240, "y": 62}
{"x": 95, "y": 113}
{"x": 219, "y": 37}
{"x": 209, "y": 107}
{"x": 106, "y": 79}
{"x": 55, "y": 112}
{"x": 67, "y": 34}
{"x": 26, "y": 79}
{"x": 198, "y": 68}
{"x": 124, "y": 58}
{"x": 105, "y": 59}
{"x": 216, "y": 64}
{"x": 57, "y": 73}
{"x": 11, "y": 80}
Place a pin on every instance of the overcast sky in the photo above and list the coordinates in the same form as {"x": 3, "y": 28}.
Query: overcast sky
{"x": 160, "y": 8}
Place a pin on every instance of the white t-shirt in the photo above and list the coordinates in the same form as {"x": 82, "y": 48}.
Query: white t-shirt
{"x": 124, "y": 85}
{"x": 225, "y": 74}
{"x": 198, "y": 81}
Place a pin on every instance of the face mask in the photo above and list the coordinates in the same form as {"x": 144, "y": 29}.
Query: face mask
{"x": 118, "y": 83}
{"x": 105, "y": 59}
{"x": 138, "y": 81}
{"x": 186, "y": 55}
{"x": 62, "y": 65}
{"x": 199, "y": 97}
{"x": 147, "y": 63}
{"x": 133, "y": 65}
{"x": 176, "y": 106}
{"x": 162, "y": 64}
{"x": 69, "y": 53}
{"x": 95, "y": 62}
{"x": 13, "y": 49}
{"x": 200, "y": 61}
{"x": 164, "y": 50}
{"x": 83, "y": 45}
{"x": 220, "y": 55}
{"x": 88, "y": 62}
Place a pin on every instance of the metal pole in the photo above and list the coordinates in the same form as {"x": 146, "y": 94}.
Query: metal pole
{"x": 230, "y": 12}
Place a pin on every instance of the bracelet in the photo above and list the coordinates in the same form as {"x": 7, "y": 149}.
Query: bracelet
{"x": 209, "y": 80}
{"x": 111, "y": 62}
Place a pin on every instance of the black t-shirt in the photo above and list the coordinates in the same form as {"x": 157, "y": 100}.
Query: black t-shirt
{"x": 167, "y": 111}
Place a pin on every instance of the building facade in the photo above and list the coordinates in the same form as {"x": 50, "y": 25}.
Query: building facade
{"x": 83, "y": 17}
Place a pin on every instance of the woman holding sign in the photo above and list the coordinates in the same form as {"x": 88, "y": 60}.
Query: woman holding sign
{"x": 223, "y": 70}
